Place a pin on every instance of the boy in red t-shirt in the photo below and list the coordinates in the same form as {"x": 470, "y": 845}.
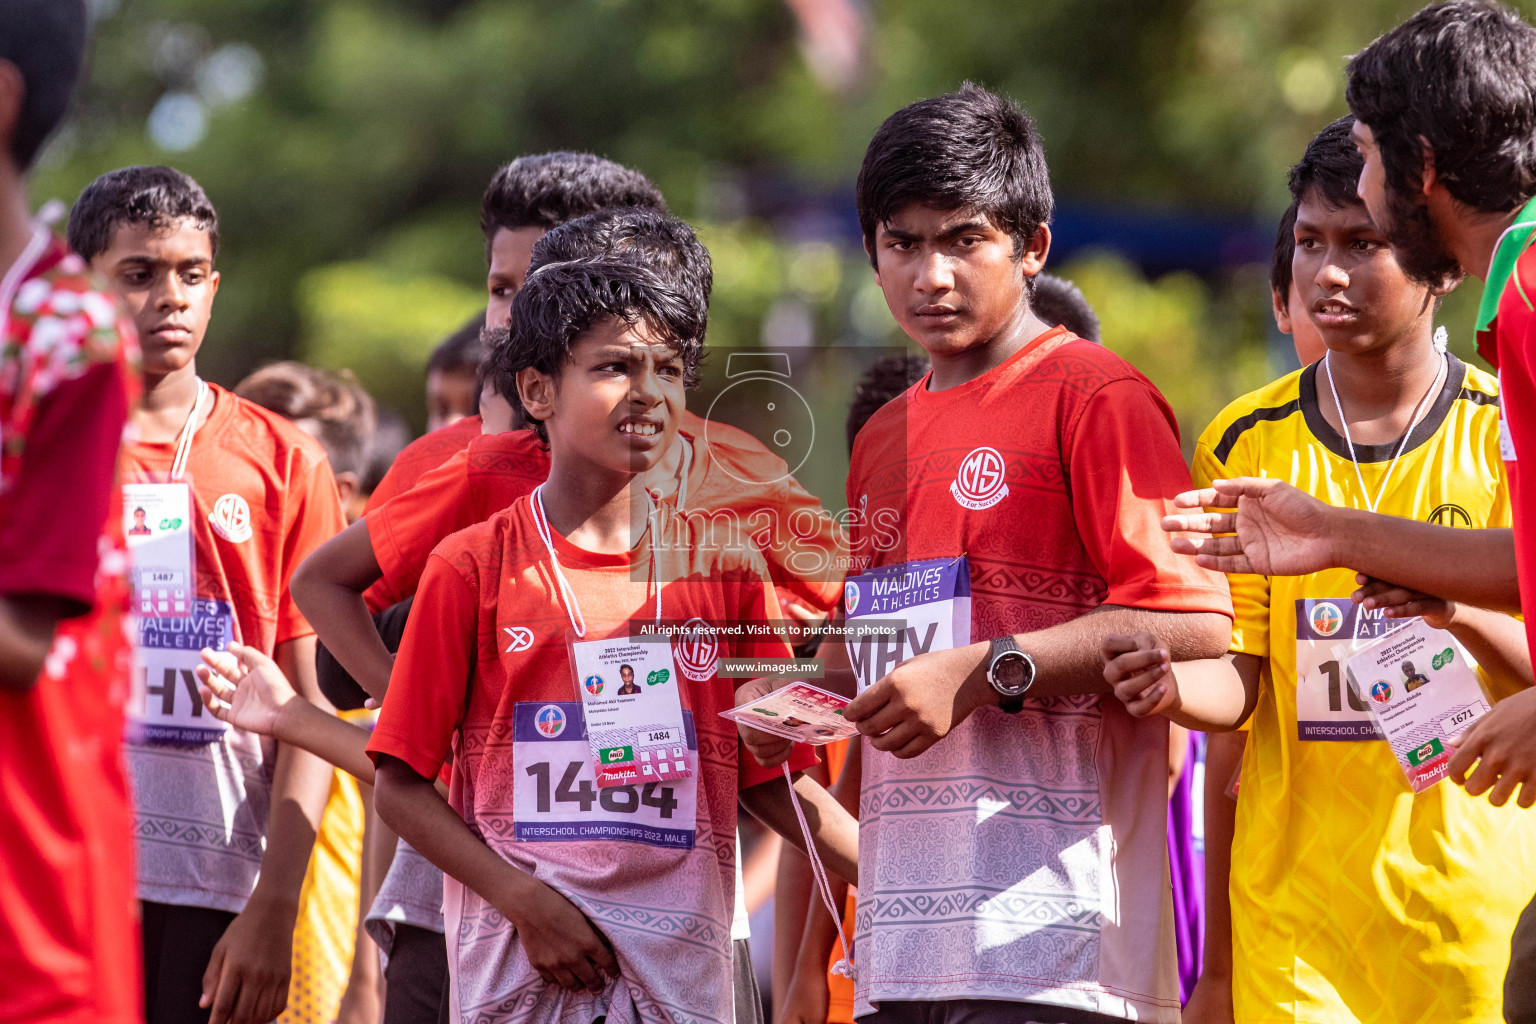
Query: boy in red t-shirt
{"x": 68, "y": 938}
{"x": 549, "y": 864}
{"x": 236, "y": 497}
{"x": 997, "y": 503}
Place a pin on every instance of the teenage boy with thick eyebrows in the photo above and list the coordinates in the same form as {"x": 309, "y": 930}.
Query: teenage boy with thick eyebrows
{"x": 602, "y": 351}
{"x": 1042, "y": 461}
{"x": 69, "y": 947}
{"x": 225, "y": 821}
{"x": 1364, "y": 901}
{"x": 524, "y": 201}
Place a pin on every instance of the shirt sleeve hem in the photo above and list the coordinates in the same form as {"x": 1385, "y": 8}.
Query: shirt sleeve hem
{"x": 421, "y": 762}
{"x": 1173, "y": 598}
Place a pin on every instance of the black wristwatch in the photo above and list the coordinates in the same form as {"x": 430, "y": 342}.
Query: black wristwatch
{"x": 1011, "y": 673}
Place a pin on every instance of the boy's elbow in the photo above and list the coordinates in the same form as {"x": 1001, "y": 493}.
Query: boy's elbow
{"x": 394, "y": 781}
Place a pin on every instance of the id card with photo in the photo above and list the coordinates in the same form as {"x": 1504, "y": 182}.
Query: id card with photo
{"x": 157, "y": 519}
{"x": 633, "y": 711}
{"x": 800, "y": 712}
{"x": 556, "y": 798}
{"x": 1422, "y": 688}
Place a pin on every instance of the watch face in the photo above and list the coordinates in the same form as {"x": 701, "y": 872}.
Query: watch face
{"x": 1010, "y": 673}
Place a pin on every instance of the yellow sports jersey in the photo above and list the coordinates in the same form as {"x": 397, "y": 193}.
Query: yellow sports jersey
{"x": 1352, "y": 899}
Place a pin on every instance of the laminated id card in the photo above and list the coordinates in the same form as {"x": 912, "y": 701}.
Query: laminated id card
{"x": 634, "y": 714}
{"x": 1421, "y": 688}
{"x": 800, "y": 712}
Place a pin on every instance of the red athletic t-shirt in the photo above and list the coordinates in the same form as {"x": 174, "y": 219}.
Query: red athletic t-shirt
{"x": 1510, "y": 345}
{"x": 69, "y": 937}
{"x": 733, "y": 482}
{"x": 419, "y": 457}
{"x": 425, "y": 453}
{"x": 1051, "y": 474}
{"x": 488, "y": 634}
{"x": 263, "y": 498}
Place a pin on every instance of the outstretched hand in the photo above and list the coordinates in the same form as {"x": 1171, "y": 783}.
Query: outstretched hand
{"x": 1273, "y": 530}
{"x": 243, "y": 687}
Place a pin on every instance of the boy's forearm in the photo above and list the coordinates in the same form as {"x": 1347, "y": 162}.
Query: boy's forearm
{"x": 1475, "y": 567}
{"x": 1212, "y": 697}
{"x": 1497, "y": 641}
{"x": 1067, "y": 657}
{"x": 301, "y": 786}
{"x": 328, "y": 588}
{"x": 414, "y": 809}
{"x": 834, "y": 831}
{"x": 27, "y": 627}
{"x": 340, "y": 743}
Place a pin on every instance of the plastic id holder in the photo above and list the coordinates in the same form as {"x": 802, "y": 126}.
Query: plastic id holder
{"x": 1422, "y": 688}
{"x": 800, "y": 712}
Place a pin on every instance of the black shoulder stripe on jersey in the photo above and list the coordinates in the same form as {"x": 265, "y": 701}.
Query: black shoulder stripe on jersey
{"x": 1478, "y": 397}
{"x": 1248, "y": 421}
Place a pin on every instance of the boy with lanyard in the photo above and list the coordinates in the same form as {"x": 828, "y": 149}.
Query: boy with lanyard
{"x": 603, "y": 350}
{"x": 68, "y": 375}
{"x": 238, "y": 497}
{"x": 1013, "y": 490}
{"x": 1361, "y": 900}
{"x": 498, "y": 469}
{"x": 525, "y": 200}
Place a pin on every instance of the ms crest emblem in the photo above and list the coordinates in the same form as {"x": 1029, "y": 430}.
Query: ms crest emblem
{"x": 231, "y": 519}
{"x": 979, "y": 481}
{"x": 697, "y": 653}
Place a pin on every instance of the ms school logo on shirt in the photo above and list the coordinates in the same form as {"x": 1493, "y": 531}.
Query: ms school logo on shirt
{"x": 696, "y": 651}
{"x": 521, "y": 638}
{"x": 550, "y": 721}
{"x": 979, "y": 483}
{"x": 231, "y": 519}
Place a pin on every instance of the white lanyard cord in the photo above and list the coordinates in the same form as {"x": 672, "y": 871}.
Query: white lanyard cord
{"x": 188, "y": 431}
{"x": 30, "y": 254}
{"x": 844, "y": 966}
{"x": 567, "y": 595}
{"x": 1402, "y": 445}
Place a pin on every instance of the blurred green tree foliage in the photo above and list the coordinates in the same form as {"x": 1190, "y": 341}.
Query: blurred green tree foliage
{"x": 346, "y": 144}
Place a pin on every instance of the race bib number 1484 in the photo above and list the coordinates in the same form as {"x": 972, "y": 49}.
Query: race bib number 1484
{"x": 556, "y": 797}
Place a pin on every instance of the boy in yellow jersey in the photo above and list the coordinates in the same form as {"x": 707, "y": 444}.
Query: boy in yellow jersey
{"x": 1352, "y": 899}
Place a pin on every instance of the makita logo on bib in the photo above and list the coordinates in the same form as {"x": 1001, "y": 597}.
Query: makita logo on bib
{"x": 697, "y": 653}
{"x": 979, "y": 481}
{"x": 231, "y": 519}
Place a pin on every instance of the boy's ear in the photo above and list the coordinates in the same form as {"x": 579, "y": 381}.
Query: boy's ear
{"x": 869, "y": 250}
{"x": 1039, "y": 247}
{"x": 1429, "y": 179}
{"x": 536, "y": 390}
{"x": 1280, "y": 307}
{"x": 13, "y": 95}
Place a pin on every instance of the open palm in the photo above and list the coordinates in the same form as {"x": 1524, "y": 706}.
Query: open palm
{"x": 244, "y": 687}
{"x": 1275, "y": 530}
